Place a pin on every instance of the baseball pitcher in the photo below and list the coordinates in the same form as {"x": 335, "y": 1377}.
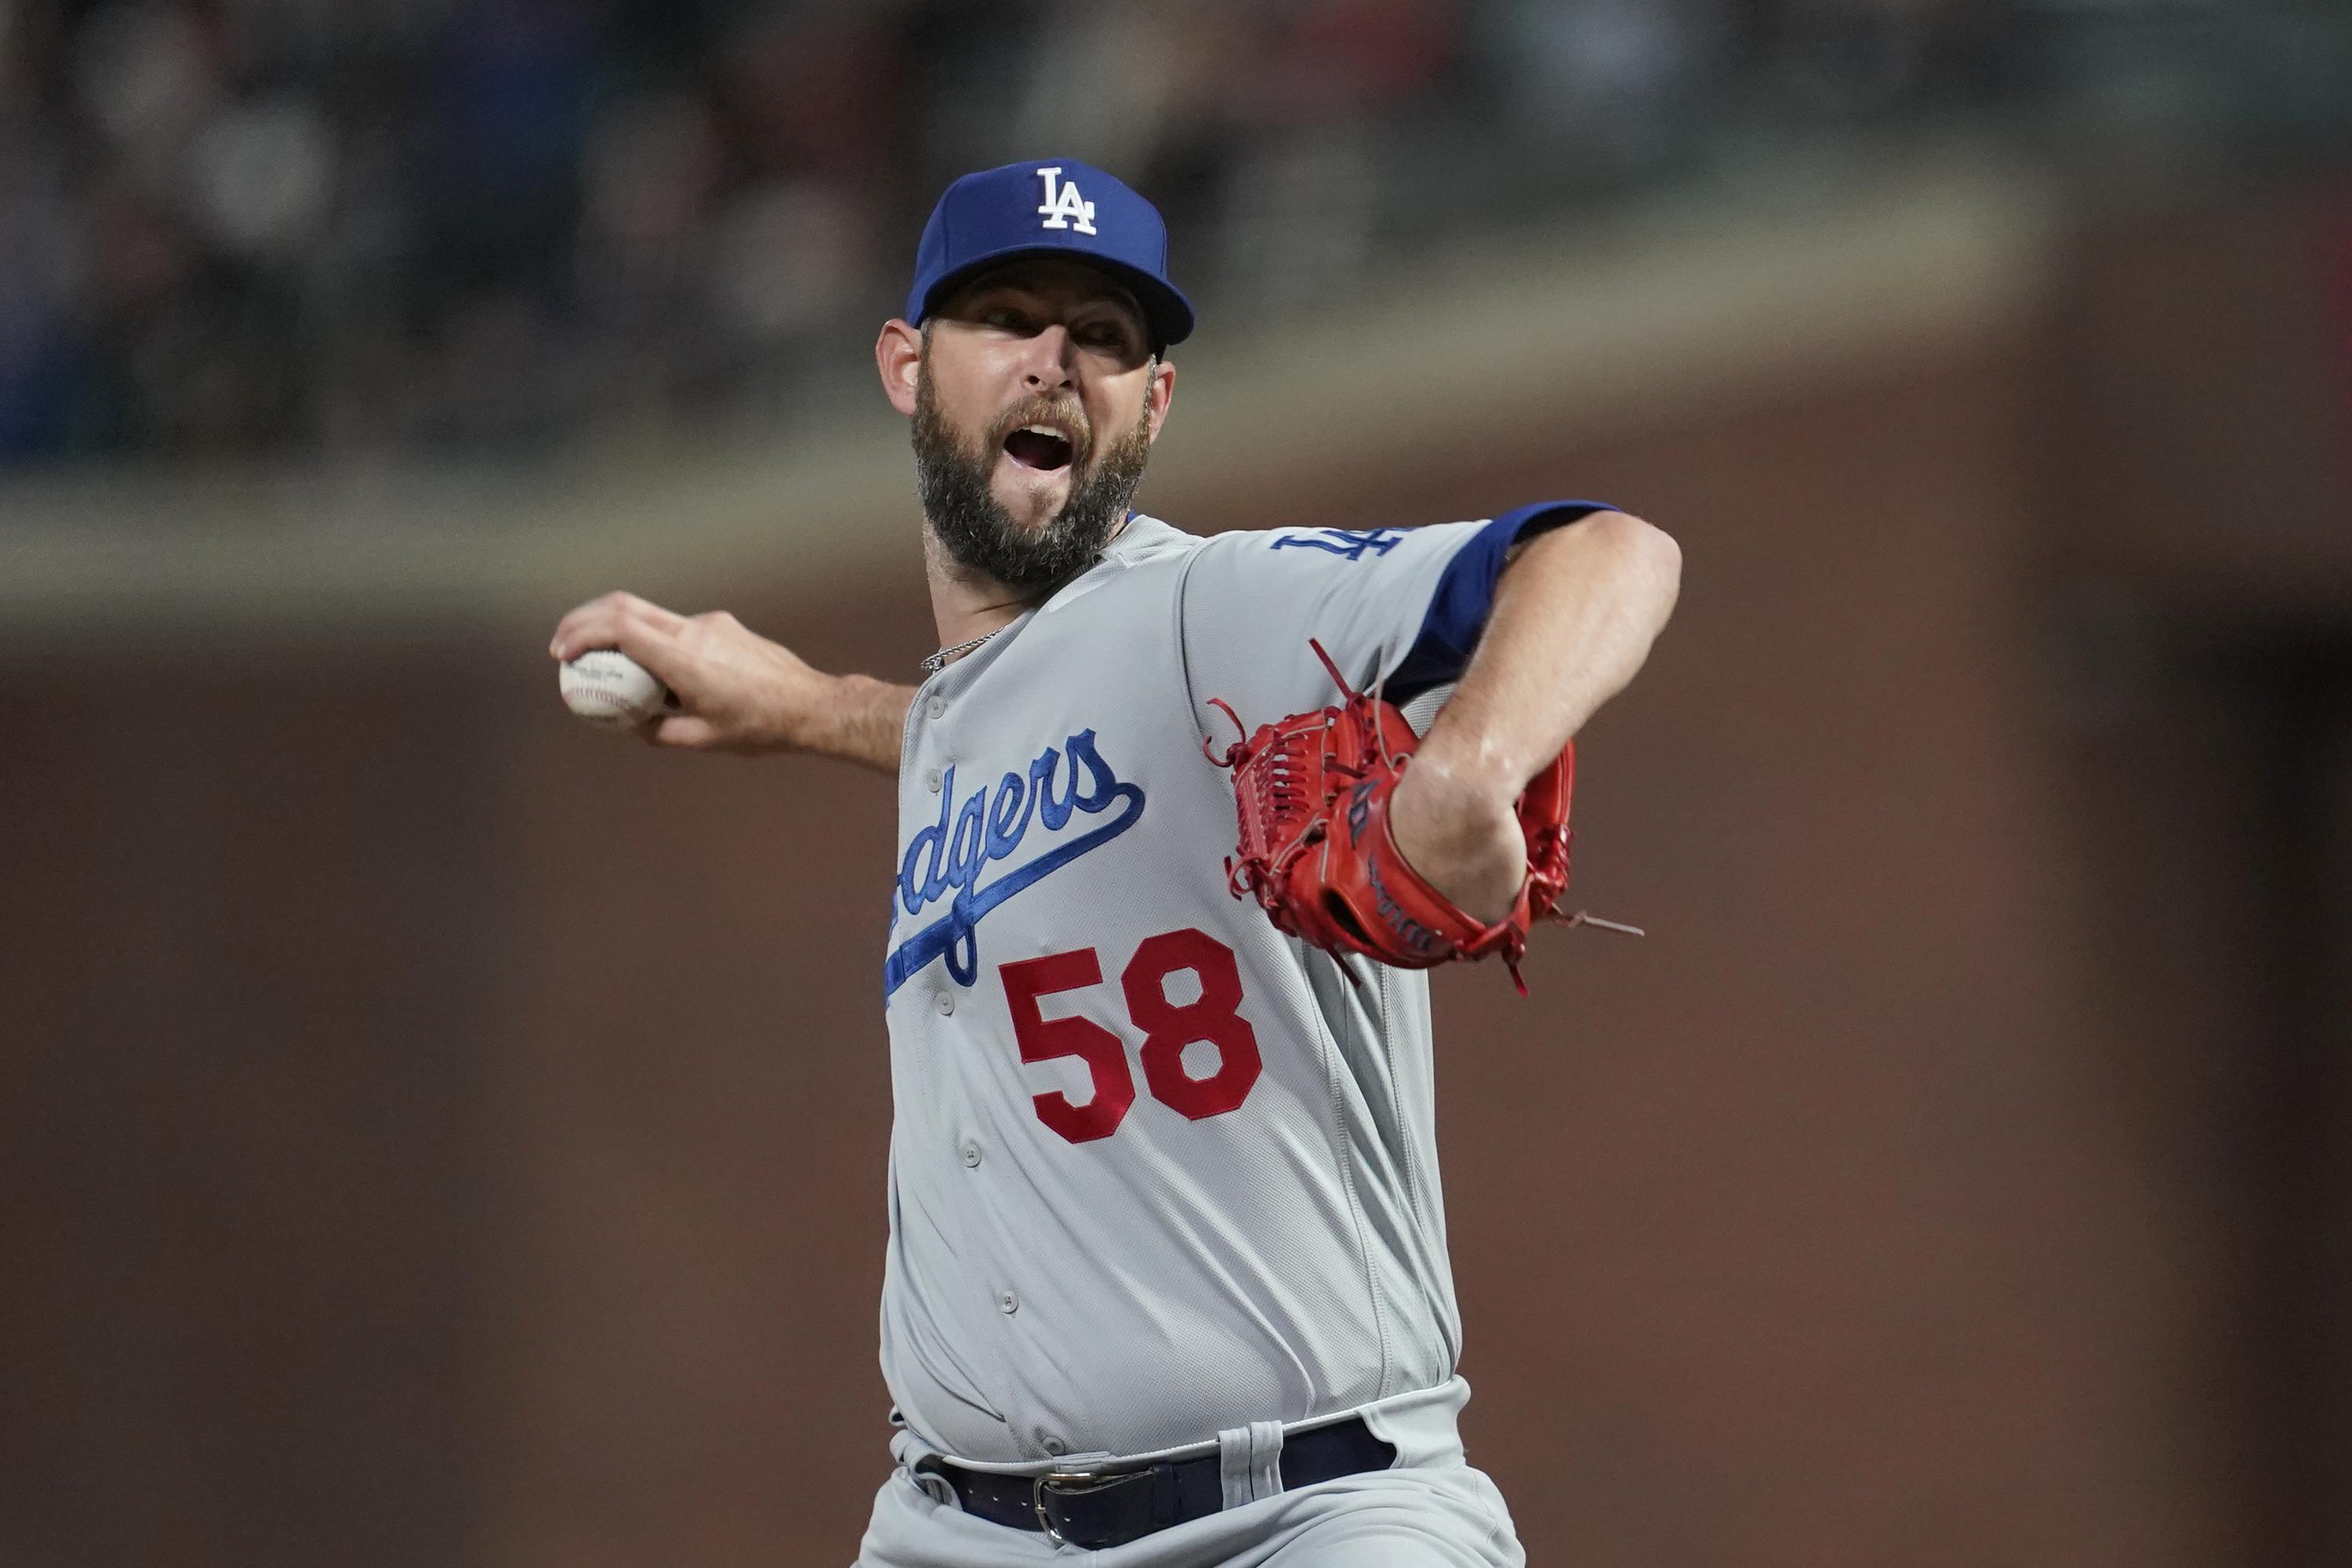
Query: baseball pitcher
{"x": 1183, "y": 822}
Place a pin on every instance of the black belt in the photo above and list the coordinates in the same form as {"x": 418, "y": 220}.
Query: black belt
{"x": 1081, "y": 1506}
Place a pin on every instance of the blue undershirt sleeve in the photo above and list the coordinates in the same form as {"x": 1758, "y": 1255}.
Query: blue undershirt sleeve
{"x": 1465, "y": 596}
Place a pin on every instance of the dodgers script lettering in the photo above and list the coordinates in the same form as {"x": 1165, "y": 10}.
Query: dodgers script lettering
{"x": 953, "y": 853}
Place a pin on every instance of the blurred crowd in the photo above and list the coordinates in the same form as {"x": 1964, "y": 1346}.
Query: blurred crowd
{"x": 300, "y": 228}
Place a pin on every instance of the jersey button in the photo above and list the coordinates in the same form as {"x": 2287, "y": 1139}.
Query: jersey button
{"x": 937, "y": 708}
{"x": 970, "y": 1153}
{"x": 932, "y": 781}
{"x": 1055, "y": 1446}
{"x": 944, "y": 1002}
{"x": 1008, "y": 1303}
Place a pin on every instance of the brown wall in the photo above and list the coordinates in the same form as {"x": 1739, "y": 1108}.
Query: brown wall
{"x": 252, "y": 927}
{"x": 434, "y": 1132}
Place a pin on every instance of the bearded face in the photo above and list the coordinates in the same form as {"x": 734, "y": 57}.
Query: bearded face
{"x": 953, "y": 472}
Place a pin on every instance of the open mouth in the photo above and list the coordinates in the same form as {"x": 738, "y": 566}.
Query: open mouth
{"x": 1039, "y": 447}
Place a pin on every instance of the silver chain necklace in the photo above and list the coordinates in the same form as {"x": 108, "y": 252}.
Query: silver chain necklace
{"x": 934, "y": 663}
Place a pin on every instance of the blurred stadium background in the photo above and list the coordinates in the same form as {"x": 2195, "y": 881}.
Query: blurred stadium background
{"x": 432, "y": 1131}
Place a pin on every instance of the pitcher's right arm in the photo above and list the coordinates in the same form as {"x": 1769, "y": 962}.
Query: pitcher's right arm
{"x": 737, "y": 691}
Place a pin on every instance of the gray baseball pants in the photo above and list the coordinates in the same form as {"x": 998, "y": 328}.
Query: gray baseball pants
{"x": 1431, "y": 1510}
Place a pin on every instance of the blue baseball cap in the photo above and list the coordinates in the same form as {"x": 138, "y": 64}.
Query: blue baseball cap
{"x": 1057, "y": 206}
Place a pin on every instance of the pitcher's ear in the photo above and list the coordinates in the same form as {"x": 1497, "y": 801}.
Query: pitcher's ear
{"x": 898, "y": 357}
{"x": 1160, "y": 396}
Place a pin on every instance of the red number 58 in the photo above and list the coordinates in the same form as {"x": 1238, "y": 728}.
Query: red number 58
{"x": 1168, "y": 1028}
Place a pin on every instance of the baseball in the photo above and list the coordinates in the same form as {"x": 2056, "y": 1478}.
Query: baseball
{"x": 607, "y": 686}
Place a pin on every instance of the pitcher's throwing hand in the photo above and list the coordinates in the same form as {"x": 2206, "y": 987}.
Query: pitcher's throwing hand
{"x": 731, "y": 690}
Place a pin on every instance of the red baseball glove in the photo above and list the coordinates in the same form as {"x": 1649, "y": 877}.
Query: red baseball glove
{"x": 1312, "y": 795}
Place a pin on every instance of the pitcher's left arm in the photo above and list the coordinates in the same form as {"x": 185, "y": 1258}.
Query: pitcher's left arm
{"x": 1575, "y": 613}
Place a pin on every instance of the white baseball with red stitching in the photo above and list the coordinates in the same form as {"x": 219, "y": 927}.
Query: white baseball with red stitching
{"x": 607, "y": 686}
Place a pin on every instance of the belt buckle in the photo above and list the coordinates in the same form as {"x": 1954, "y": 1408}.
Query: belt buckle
{"x": 1068, "y": 1483}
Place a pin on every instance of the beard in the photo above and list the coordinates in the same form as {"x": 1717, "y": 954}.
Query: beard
{"x": 976, "y": 531}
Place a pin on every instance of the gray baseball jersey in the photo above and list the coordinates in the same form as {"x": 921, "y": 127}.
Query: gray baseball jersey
{"x": 1157, "y": 1169}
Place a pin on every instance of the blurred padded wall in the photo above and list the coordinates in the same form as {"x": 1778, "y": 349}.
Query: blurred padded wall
{"x": 436, "y": 1132}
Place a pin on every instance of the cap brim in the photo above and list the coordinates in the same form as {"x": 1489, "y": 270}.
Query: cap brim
{"x": 1165, "y": 310}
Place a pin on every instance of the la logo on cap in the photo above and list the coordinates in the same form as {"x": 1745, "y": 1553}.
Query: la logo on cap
{"x": 1064, "y": 208}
